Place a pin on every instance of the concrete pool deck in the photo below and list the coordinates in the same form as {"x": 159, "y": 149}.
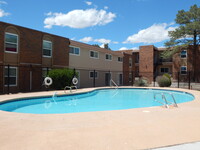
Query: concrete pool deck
{"x": 141, "y": 128}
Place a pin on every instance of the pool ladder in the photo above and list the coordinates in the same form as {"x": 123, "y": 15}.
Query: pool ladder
{"x": 166, "y": 103}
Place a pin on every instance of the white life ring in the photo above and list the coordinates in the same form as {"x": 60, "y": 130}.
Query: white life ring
{"x": 48, "y": 81}
{"x": 75, "y": 81}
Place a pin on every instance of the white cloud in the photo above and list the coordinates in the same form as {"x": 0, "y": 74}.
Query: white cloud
{"x": 153, "y": 34}
{"x": 103, "y": 41}
{"x": 115, "y": 42}
{"x": 3, "y": 2}
{"x": 3, "y": 13}
{"x": 105, "y": 7}
{"x": 135, "y": 48}
{"x": 125, "y": 48}
{"x": 86, "y": 39}
{"x": 88, "y": 3}
{"x": 102, "y": 45}
{"x": 90, "y": 39}
{"x": 73, "y": 38}
{"x": 79, "y": 18}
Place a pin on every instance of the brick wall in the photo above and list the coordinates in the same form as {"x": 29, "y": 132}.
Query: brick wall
{"x": 126, "y": 69}
{"x": 30, "y": 53}
{"x": 61, "y": 51}
{"x": 146, "y": 62}
{"x": 1, "y": 79}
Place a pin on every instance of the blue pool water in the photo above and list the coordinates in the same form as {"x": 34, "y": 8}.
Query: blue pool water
{"x": 98, "y": 100}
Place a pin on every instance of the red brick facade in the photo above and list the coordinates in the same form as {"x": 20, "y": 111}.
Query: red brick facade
{"x": 29, "y": 59}
{"x": 146, "y": 62}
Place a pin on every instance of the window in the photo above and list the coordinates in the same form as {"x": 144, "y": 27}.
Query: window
{"x": 108, "y": 57}
{"x": 94, "y": 54}
{"x": 74, "y": 50}
{"x": 130, "y": 62}
{"x": 47, "y": 48}
{"x": 120, "y": 59}
{"x": 12, "y": 73}
{"x": 164, "y": 70}
{"x": 92, "y": 74}
{"x": 11, "y": 43}
{"x": 183, "y": 54}
{"x": 183, "y": 70}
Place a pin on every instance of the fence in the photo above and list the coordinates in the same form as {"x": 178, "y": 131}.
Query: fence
{"x": 29, "y": 78}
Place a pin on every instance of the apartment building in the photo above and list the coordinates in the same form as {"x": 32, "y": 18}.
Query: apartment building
{"x": 148, "y": 62}
{"x": 27, "y": 54}
{"x": 96, "y": 66}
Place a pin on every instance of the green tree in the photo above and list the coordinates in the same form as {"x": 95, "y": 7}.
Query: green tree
{"x": 106, "y": 46}
{"x": 186, "y": 35}
{"x": 96, "y": 45}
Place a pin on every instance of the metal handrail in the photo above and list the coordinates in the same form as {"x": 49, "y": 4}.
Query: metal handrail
{"x": 70, "y": 88}
{"x": 166, "y": 104}
{"x": 159, "y": 101}
{"x": 111, "y": 81}
{"x": 53, "y": 97}
{"x": 163, "y": 98}
{"x": 175, "y": 103}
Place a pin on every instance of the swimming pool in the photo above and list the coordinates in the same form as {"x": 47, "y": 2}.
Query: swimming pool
{"x": 97, "y": 100}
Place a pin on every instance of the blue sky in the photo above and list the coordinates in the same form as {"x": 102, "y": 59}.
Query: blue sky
{"x": 123, "y": 24}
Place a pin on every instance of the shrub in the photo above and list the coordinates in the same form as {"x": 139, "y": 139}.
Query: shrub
{"x": 167, "y": 75}
{"x": 164, "y": 81}
{"x": 141, "y": 82}
{"x": 61, "y": 78}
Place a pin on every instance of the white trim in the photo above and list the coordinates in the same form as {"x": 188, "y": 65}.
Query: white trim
{"x": 73, "y": 53}
{"x": 11, "y": 43}
{"x": 94, "y": 75}
{"x": 11, "y": 85}
{"x": 46, "y": 56}
{"x": 186, "y": 70}
{"x": 47, "y": 49}
{"x": 94, "y": 52}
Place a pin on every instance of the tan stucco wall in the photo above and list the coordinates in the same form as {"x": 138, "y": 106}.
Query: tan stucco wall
{"x": 84, "y": 61}
{"x": 84, "y": 64}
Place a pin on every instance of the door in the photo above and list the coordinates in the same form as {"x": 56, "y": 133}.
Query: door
{"x": 107, "y": 79}
{"x": 120, "y": 82}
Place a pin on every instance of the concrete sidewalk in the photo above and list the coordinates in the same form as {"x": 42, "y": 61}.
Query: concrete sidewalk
{"x": 131, "y": 129}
